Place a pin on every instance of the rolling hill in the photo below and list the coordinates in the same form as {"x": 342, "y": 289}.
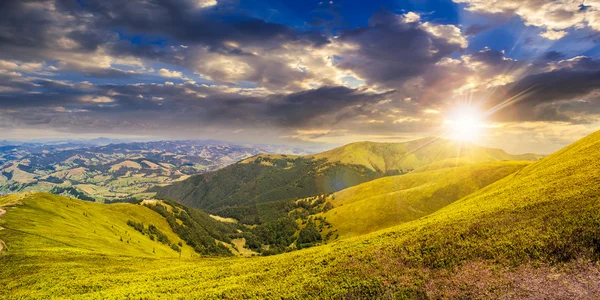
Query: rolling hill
{"x": 532, "y": 233}
{"x": 53, "y": 223}
{"x": 393, "y": 200}
{"x": 241, "y": 190}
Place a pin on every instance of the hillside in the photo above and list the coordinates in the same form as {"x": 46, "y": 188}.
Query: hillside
{"x": 238, "y": 190}
{"x": 393, "y": 200}
{"x": 37, "y": 222}
{"x": 532, "y": 234}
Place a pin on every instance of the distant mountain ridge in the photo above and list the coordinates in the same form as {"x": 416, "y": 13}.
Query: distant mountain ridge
{"x": 415, "y": 154}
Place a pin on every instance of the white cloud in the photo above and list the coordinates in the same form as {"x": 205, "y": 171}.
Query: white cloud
{"x": 556, "y": 17}
{"x": 553, "y": 34}
{"x": 169, "y": 74}
{"x": 204, "y": 3}
{"x": 96, "y": 99}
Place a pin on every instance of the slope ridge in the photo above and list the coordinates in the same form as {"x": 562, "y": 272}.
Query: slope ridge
{"x": 415, "y": 154}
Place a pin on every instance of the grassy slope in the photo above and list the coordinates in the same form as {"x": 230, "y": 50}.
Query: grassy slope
{"x": 535, "y": 231}
{"x": 44, "y": 222}
{"x": 393, "y": 200}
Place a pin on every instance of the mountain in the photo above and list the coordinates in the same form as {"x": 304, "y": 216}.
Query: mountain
{"x": 532, "y": 234}
{"x": 242, "y": 190}
{"x": 113, "y": 172}
{"x": 416, "y": 154}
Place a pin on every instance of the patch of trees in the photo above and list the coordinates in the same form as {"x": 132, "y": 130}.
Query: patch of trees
{"x": 153, "y": 233}
{"x": 310, "y": 206}
{"x": 197, "y": 231}
{"x": 54, "y": 179}
{"x": 70, "y": 191}
{"x": 272, "y": 237}
{"x": 308, "y": 236}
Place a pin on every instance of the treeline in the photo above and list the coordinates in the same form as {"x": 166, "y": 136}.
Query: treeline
{"x": 196, "y": 230}
{"x": 280, "y": 235}
{"x": 154, "y": 234}
{"x": 71, "y": 192}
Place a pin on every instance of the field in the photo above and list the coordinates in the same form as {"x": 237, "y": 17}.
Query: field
{"x": 535, "y": 232}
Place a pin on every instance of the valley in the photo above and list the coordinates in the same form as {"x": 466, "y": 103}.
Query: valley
{"x": 114, "y": 172}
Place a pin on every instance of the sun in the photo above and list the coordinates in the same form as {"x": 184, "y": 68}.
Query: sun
{"x": 465, "y": 125}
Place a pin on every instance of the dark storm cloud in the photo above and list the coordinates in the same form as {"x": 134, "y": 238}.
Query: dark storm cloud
{"x": 183, "y": 21}
{"x": 37, "y": 24}
{"x": 391, "y": 51}
{"x": 308, "y": 106}
{"x": 170, "y": 106}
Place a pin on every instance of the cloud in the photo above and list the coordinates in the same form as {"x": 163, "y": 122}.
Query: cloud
{"x": 169, "y": 74}
{"x": 395, "y": 48}
{"x": 553, "y": 34}
{"x": 141, "y": 107}
{"x": 197, "y": 66}
{"x": 555, "y": 17}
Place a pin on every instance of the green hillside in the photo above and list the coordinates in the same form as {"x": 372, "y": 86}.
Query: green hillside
{"x": 238, "y": 190}
{"x": 393, "y": 200}
{"x": 532, "y": 234}
{"x": 44, "y": 222}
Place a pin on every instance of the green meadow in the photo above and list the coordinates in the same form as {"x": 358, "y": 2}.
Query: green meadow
{"x": 534, "y": 231}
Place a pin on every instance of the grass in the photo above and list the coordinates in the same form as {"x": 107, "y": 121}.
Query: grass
{"x": 532, "y": 232}
{"x": 49, "y": 223}
{"x": 393, "y": 200}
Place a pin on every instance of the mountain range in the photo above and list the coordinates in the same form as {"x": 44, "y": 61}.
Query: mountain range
{"x": 414, "y": 222}
{"x": 114, "y": 172}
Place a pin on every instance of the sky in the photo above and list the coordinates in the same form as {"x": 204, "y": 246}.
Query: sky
{"x": 521, "y": 75}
